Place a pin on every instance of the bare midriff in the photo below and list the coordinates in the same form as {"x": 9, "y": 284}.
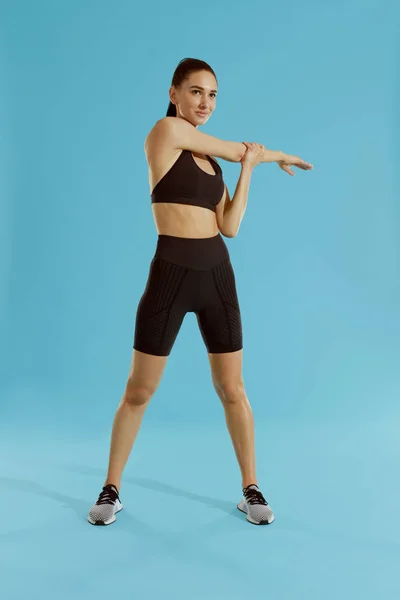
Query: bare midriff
{"x": 181, "y": 220}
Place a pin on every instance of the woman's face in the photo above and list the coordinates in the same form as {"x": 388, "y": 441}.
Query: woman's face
{"x": 195, "y": 99}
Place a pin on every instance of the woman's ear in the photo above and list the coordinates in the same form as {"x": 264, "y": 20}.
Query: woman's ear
{"x": 172, "y": 94}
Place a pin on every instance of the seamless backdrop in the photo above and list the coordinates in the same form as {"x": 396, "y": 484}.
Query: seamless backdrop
{"x": 317, "y": 271}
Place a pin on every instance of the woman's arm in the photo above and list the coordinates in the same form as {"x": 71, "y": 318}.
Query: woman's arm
{"x": 229, "y": 212}
{"x": 179, "y": 134}
{"x": 269, "y": 156}
{"x": 284, "y": 160}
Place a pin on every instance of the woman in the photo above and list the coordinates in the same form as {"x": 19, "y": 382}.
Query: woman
{"x": 191, "y": 272}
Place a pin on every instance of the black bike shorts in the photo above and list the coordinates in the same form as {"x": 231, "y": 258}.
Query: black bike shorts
{"x": 189, "y": 275}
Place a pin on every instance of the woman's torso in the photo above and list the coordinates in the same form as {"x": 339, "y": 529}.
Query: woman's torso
{"x": 175, "y": 219}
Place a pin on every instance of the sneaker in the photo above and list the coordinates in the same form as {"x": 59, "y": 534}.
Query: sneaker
{"x": 106, "y": 507}
{"x": 255, "y": 506}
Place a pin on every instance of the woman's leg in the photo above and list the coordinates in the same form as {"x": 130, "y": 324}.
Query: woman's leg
{"x": 159, "y": 317}
{"x": 226, "y": 371}
{"x": 144, "y": 378}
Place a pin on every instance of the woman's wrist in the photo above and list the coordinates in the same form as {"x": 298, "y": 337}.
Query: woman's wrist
{"x": 246, "y": 168}
{"x": 272, "y": 155}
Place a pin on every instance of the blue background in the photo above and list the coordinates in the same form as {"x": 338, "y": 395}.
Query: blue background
{"x": 317, "y": 271}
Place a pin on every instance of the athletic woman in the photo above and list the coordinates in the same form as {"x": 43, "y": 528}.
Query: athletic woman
{"x": 191, "y": 271}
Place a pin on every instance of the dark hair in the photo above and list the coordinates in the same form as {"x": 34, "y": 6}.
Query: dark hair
{"x": 185, "y": 68}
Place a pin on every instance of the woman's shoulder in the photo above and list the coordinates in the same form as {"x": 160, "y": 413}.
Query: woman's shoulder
{"x": 168, "y": 128}
{"x": 169, "y": 123}
{"x": 161, "y": 126}
{"x": 161, "y": 130}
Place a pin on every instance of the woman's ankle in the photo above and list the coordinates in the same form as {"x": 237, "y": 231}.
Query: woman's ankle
{"x": 115, "y": 483}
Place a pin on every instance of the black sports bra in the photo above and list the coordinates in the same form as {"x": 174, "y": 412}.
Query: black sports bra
{"x": 187, "y": 183}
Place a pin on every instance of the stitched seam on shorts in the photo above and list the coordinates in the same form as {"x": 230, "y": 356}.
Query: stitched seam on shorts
{"x": 225, "y": 309}
{"x": 172, "y": 303}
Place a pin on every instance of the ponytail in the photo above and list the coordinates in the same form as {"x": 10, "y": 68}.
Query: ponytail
{"x": 171, "y": 112}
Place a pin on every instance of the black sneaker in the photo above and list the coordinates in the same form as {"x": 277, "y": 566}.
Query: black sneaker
{"x": 257, "y": 509}
{"x": 106, "y": 507}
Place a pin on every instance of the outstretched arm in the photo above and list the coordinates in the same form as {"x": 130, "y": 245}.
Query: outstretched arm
{"x": 285, "y": 161}
{"x": 178, "y": 133}
{"x": 171, "y": 132}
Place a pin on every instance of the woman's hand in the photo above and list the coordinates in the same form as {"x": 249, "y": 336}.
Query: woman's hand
{"x": 253, "y": 155}
{"x": 288, "y": 160}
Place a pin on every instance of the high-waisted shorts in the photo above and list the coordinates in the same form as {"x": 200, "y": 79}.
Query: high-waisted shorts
{"x": 189, "y": 275}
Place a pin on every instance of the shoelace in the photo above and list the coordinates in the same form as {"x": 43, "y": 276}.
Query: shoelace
{"x": 254, "y": 497}
{"x": 108, "y": 496}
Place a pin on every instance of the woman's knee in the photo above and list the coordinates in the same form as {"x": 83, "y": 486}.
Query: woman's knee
{"x": 230, "y": 391}
{"x": 139, "y": 395}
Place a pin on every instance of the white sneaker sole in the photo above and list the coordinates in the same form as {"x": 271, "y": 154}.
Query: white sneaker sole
{"x": 243, "y": 508}
{"x": 118, "y": 507}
